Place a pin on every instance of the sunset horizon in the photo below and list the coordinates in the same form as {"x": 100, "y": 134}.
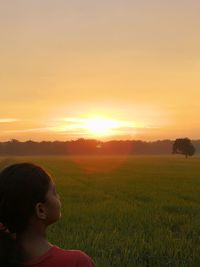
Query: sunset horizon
{"x": 65, "y": 64}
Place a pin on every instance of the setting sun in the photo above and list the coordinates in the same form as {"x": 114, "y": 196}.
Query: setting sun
{"x": 101, "y": 126}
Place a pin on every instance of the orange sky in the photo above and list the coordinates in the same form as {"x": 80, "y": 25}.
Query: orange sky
{"x": 135, "y": 62}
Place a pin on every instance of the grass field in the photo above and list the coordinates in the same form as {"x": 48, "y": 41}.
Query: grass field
{"x": 125, "y": 212}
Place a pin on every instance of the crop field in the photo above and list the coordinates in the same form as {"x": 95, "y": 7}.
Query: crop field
{"x": 127, "y": 211}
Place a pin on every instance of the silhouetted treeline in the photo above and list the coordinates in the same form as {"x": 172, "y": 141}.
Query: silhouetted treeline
{"x": 89, "y": 147}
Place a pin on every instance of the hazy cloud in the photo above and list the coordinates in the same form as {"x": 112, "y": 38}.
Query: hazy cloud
{"x": 8, "y": 120}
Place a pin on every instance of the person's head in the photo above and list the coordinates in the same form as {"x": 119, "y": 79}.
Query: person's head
{"x": 27, "y": 197}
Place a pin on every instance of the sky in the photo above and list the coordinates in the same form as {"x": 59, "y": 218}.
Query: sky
{"x": 70, "y": 68}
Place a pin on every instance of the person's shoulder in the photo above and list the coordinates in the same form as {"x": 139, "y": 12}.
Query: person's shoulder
{"x": 80, "y": 258}
{"x": 83, "y": 260}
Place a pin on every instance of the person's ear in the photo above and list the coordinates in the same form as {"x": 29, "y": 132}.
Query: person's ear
{"x": 41, "y": 211}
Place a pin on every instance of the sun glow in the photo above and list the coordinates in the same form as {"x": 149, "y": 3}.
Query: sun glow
{"x": 101, "y": 126}
{"x": 96, "y": 126}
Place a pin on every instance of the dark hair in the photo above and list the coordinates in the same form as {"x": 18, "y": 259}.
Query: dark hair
{"x": 22, "y": 186}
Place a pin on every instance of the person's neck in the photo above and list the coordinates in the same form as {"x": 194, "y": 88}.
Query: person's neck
{"x": 34, "y": 244}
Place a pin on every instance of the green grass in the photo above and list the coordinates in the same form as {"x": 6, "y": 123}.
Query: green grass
{"x": 125, "y": 212}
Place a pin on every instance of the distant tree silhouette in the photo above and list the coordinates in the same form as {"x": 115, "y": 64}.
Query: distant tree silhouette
{"x": 91, "y": 147}
{"x": 183, "y": 146}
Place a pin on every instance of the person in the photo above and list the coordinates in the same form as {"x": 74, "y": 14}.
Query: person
{"x": 29, "y": 203}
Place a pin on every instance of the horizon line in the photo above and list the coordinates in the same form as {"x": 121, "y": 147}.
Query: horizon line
{"x": 87, "y": 139}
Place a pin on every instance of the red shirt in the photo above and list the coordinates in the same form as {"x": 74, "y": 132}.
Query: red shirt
{"x": 57, "y": 257}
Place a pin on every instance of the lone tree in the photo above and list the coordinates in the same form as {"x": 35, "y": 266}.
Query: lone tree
{"x": 183, "y": 146}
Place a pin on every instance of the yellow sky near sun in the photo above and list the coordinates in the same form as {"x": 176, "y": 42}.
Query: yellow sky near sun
{"x": 137, "y": 63}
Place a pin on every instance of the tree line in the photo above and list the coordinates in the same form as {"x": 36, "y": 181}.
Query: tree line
{"x": 89, "y": 147}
